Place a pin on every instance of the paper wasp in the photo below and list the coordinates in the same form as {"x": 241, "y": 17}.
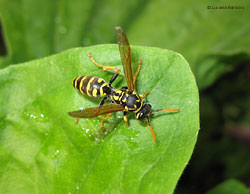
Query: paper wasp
{"x": 125, "y": 99}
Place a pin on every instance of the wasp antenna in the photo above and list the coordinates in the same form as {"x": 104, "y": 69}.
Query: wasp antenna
{"x": 150, "y": 127}
{"x": 166, "y": 109}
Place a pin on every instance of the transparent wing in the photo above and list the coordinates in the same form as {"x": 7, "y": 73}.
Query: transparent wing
{"x": 96, "y": 111}
{"x": 125, "y": 57}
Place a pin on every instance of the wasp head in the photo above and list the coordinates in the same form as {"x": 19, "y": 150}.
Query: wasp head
{"x": 144, "y": 111}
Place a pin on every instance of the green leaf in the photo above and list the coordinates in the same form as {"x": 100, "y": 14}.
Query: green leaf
{"x": 43, "y": 151}
{"x": 34, "y": 29}
{"x": 230, "y": 186}
{"x": 204, "y": 36}
{"x": 207, "y": 38}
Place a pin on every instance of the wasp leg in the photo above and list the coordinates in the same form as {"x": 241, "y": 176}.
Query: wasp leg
{"x": 144, "y": 95}
{"x": 105, "y": 117}
{"x": 76, "y": 121}
{"x": 102, "y": 101}
{"x": 114, "y": 76}
{"x": 151, "y": 129}
{"x": 138, "y": 70}
{"x": 125, "y": 118}
{"x": 104, "y": 68}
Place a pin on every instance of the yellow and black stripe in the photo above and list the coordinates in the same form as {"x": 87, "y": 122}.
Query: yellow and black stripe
{"x": 92, "y": 86}
{"x": 117, "y": 95}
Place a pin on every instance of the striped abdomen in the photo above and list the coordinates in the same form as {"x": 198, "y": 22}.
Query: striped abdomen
{"x": 92, "y": 86}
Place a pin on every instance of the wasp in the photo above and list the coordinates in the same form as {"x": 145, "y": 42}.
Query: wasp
{"x": 124, "y": 99}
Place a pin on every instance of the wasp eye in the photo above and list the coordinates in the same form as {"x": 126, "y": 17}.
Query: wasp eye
{"x": 145, "y": 110}
{"x": 141, "y": 116}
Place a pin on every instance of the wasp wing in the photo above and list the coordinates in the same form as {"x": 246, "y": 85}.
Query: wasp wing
{"x": 96, "y": 111}
{"x": 125, "y": 57}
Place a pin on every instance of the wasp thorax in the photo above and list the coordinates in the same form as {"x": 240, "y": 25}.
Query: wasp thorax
{"x": 143, "y": 112}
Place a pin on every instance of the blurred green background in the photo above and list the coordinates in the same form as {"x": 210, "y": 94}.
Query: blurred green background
{"x": 214, "y": 37}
